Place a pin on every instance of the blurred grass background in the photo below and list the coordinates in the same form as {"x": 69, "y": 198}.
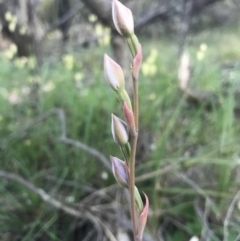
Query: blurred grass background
{"x": 200, "y": 147}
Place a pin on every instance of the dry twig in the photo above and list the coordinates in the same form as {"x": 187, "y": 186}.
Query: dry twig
{"x": 228, "y": 217}
{"x": 197, "y": 188}
{"x": 57, "y": 204}
{"x": 207, "y": 233}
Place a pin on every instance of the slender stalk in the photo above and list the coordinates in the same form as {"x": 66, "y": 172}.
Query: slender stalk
{"x": 132, "y": 42}
{"x": 133, "y": 144}
{"x": 135, "y": 102}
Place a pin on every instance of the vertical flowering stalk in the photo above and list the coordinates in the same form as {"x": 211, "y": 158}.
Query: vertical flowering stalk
{"x": 125, "y": 134}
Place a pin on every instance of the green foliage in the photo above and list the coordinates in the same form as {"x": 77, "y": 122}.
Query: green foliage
{"x": 204, "y": 141}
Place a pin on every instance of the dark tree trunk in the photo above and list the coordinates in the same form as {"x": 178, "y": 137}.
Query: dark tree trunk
{"x": 27, "y": 40}
{"x": 24, "y": 42}
{"x": 64, "y": 7}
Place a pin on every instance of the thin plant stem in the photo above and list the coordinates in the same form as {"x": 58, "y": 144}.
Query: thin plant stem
{"x": 135, "y": 102}
{"x": 133, "y": 144}
{"x": 132, "y": 183}
{"x": 132, "y": 44}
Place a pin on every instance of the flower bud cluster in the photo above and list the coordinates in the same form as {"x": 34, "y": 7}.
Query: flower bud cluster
{"x": 125, "y": 132}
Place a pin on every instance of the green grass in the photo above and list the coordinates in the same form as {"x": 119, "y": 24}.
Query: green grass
{"x": 207, "y": 142}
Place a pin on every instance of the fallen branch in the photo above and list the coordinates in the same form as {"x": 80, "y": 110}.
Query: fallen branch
{"x": 78, "y": 213}
{"x": 102, "y": 8}
{"x": 41, "y": 193}
{"x": 63, "y": 138}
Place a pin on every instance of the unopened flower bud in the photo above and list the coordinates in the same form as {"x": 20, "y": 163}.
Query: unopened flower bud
{"x": 137, "y": 61}
{"x": 113, "y": 73}
{"x": 119, "y": 131}
{"x": 122, "y": 18}
{"x": 120, "y": 171}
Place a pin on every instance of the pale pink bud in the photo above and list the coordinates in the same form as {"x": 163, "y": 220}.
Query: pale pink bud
{"x": 119, "y": 131}
{"x": 143, "y": 218}
{"x": 129, "y": 117}
{"x": 113, "y": 73}
{"x": 184, "y": 72}
{"x": 120, "y": 171}
{"x": 122, "y": 18}
{"x": 137, "y": 61}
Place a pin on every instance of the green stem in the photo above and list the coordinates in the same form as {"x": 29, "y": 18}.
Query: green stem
{"x": 132, "y": 42}
{"x": 123, "y": 96}
{"x": 135, "y": 102}
{"x": 126, "y": 150}
{"x": 133, "y": 144}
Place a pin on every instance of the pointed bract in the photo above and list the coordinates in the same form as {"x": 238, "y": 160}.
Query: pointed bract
{"x": 143, "y": 218}
{"x": 137, "y": 61}
{"x": 129, "y": 117}
{"x": 122, "y": 18}
{"x": 119, "y": 131}
{"x": 113, "y": 73}
{"x": 120, "y": 171}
